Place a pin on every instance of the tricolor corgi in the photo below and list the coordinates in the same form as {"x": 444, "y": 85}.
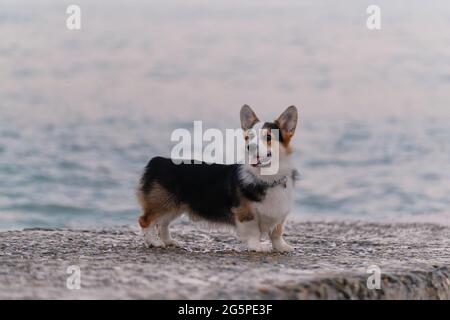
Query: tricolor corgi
{"x": 236, "y": 195}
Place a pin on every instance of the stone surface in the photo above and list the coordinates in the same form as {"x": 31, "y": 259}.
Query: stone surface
{"x": 330, "y": 262}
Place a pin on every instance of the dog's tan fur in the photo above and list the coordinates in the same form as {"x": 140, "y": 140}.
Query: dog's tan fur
{"x": 154, "y": 205}
{"x": 244, "y": 212}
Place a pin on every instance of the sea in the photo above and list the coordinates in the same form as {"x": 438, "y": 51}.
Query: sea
{"x": 82, "y": 111}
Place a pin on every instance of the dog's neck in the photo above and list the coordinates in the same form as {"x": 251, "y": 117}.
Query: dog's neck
{"x": 286, "y": 170}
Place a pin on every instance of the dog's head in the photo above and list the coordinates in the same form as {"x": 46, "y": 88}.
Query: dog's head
{"x": 262, "y": 139}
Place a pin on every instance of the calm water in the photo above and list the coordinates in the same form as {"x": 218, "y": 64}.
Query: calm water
{"x": 82, "y": 112}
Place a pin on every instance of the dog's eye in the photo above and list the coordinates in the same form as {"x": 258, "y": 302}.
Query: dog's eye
{"x": 269, "y": 137}
{"x": 246, "y": 138}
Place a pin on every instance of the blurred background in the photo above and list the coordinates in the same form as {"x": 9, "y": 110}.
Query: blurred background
{"x": 81, "y": 112}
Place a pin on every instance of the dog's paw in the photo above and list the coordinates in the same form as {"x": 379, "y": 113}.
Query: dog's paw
{"x": 171, "y": 243}
{"x": 282, "y": 247}
{"x": 259, "y": 247}
{"x": 154, "y": 242}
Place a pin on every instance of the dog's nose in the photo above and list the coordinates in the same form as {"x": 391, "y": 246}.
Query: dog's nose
{"x": 251, "y": 147}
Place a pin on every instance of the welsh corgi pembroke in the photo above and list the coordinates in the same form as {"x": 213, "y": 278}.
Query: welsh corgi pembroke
{"x": 236, "y": 195}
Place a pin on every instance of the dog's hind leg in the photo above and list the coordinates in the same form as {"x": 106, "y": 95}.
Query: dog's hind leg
{"x": 150, "y": 230}
{"x": 157, "y": 206}
{"x": 163, "y": 224}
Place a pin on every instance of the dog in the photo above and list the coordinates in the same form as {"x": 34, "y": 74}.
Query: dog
{"x": 235, "y": 195}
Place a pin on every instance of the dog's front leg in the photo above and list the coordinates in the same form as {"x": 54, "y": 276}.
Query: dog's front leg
{"x": 249, "y": 231}
{"x": 278, "y": 243}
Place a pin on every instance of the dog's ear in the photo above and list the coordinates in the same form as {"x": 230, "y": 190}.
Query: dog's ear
{"x": 287, "y": 122}
{"x": 248, "y": 117}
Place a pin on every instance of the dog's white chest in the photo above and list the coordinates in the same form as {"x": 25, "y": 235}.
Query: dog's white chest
{"x": 276, "y": 204}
